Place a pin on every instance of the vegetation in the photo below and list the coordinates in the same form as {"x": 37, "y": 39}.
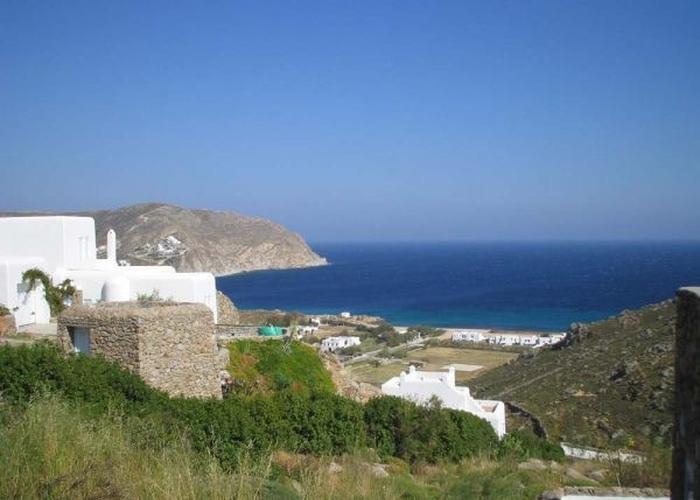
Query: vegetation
{"x": 610, "y": 385}
{"x": 311, "y": 421}
{"x": 55, "y": 295}
{"x": 4, "y": 311}
{"x": 54, "y": 449}
{"x": 520, "y": 445}
{"x": 79, "y": 427}
{"x": 274, "y": 365}
{"x": 154, "y": 296}
{"x": 416, "y": 433}
{"x": 425, "y": 331}
{"x": 386, "y": 334}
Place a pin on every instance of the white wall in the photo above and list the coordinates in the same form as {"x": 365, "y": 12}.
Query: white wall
{"x": 65, "y": 248}
{"x": 27, "y": 307}
{"x": 56, "y": 239}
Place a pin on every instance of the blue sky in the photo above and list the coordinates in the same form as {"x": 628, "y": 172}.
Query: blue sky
{"x": 361, "y": 120}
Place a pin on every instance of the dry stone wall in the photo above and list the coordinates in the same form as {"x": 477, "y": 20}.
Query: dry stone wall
{"x": 227, "y": 312}
{"x": 171, "y": 346}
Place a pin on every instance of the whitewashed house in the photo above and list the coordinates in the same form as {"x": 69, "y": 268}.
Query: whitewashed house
{"x": 345, "y": 315}
{"x": 420, "y": 387}
{"x": 469, "y": 335}
{"x": 65, "y": 248}
{"x": 332, "y": 344}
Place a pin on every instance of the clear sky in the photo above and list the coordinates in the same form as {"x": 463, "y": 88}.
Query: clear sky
{"x": 361, "y": 120}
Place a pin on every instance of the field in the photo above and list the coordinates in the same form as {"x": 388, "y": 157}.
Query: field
{"x": 432, "y": 358}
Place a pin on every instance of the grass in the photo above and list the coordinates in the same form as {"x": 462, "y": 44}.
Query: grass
{"x": 433, "y": 358}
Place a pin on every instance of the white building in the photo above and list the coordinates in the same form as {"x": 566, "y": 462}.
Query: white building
{"x": 65, "y": 248}
{"x": 332, "y": 344}
{"x": 345, "y": 315}
{"x": 469, "y": 335}
{"x": 420, "y": 387}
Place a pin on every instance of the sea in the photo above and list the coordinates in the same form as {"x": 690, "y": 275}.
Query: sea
{"x": 523, "y": 286}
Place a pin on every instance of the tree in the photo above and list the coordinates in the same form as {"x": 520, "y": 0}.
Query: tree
{"x": 55, "y": 295}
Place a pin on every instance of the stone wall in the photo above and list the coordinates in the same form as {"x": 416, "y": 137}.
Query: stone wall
{"x": 179, "y": 353}
{"x": 171, "y": 346}
{"x": 113, "y": 332}
{"x": 7, "y": 325}
{"x": 686, "y": 436}
{"x": 227, "y": 312}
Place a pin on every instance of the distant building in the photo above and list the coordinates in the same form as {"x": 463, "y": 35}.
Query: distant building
{"x": 345, "y": 315}
{"x": 506, "y": 339}
{"x": 65, "y": 248}
{"x": 469, "y": 335}
{"x": 420, "y": 387}
{"x": 332, "y": 344}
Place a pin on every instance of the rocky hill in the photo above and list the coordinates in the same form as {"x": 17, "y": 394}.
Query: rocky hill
{"x": 201, "y": 240}
{"x": 609, "y": 384}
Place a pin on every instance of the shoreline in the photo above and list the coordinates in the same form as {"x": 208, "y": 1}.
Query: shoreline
{"x": 250, "y": 271}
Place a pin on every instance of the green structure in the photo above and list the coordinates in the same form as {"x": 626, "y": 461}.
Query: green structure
{"x": 270, "y": 331}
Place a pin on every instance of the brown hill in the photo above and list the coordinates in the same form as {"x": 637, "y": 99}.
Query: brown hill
{"x": 201, "y": 240}
{"x": 609, "y": 384}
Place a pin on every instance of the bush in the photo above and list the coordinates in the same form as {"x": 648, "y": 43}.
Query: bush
{"x": 520, "y": 446}
{"x": 28, "y": 370}
{"x": 275, "y": 365}
{"x": 396, "y": 427}
{"x": 4, "y": 311}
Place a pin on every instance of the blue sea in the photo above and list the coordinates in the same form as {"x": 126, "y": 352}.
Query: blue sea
{"x": 543, "y": 286}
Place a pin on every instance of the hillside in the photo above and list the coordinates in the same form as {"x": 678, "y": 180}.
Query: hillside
{"x": 200, "y": 240}
{"x": 609, "y": 385}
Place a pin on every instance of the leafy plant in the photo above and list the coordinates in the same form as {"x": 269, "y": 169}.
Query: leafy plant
{"x": 4, "y": 311}
{"x": 55, "y": 295}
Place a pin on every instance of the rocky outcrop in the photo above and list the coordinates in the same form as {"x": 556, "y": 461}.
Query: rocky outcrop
{"x": 345, "y": 385}
{"x": 198, "y": 240}
{"x": 227, "y": 312}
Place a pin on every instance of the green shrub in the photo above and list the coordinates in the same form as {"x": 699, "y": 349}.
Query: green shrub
{"x": 275, "y": 365}
{"x": 524, "y": 445}
{"x": 28, "y": 370}
{"x": 55, "y": 295}
{"x": 4, "y": 311}
{"x": 396, "y": 427}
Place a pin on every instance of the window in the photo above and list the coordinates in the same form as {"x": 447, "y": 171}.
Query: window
{"x": 22, "y": 288}
{"x": 80, "y": 338}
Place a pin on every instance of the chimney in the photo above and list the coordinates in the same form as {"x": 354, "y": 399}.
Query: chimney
{"x": 112, "y": 246}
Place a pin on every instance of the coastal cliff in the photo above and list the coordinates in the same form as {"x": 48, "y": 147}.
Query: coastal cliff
{"x": 199, "y": 240}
